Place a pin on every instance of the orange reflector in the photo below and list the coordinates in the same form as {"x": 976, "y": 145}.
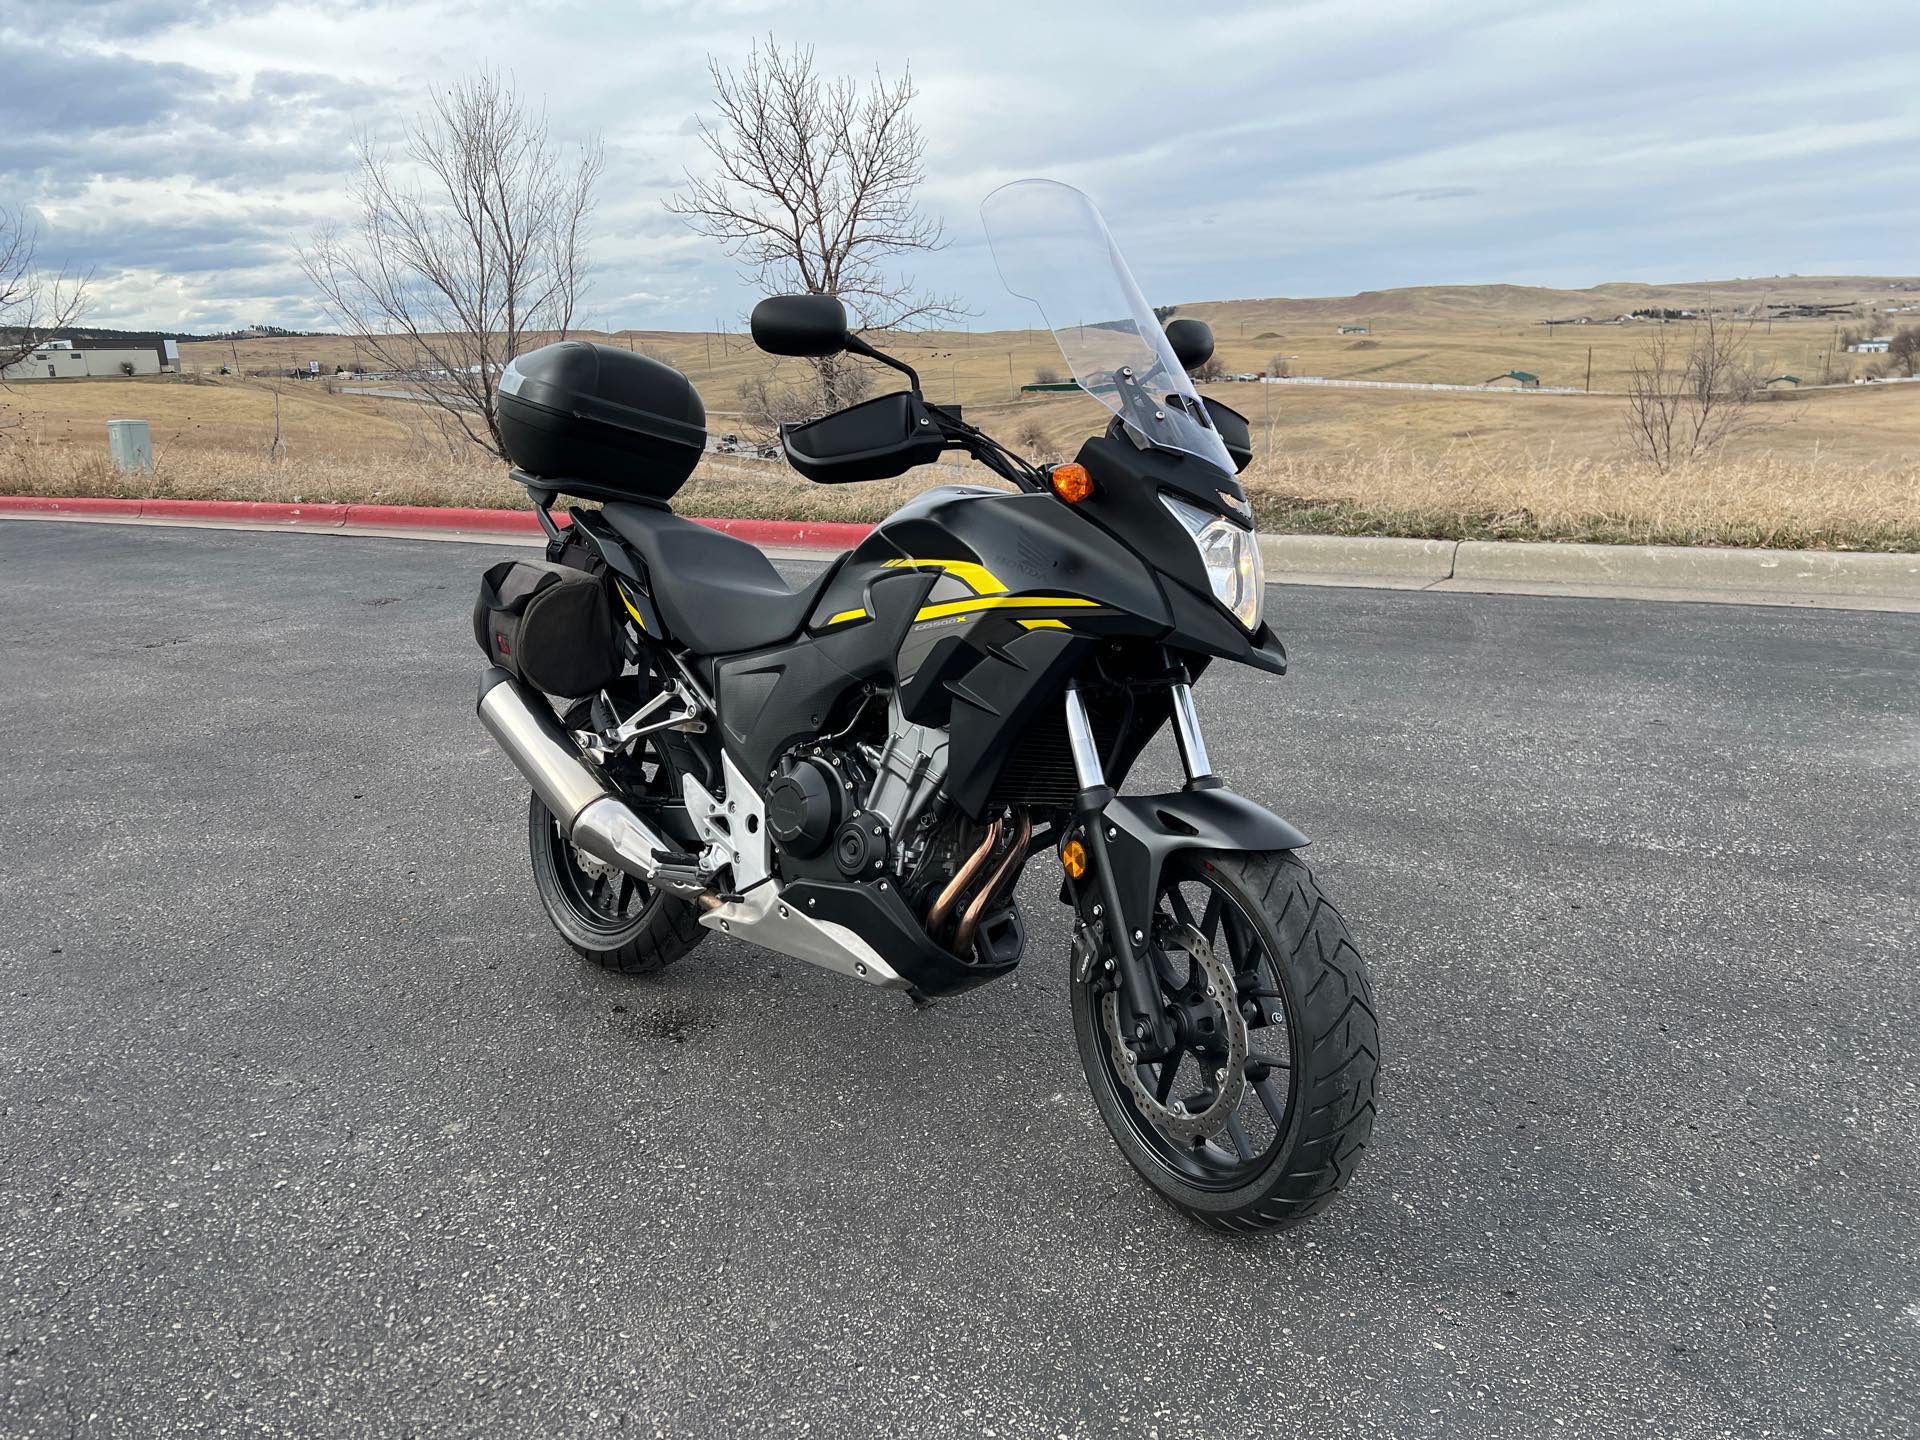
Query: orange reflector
{"x": 1071, "y": 483}
{"x": 1073, "y": 858}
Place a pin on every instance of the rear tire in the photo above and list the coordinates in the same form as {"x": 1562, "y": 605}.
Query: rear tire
{"x": 1307, "y": 994}
{"x": 613, "y": 920}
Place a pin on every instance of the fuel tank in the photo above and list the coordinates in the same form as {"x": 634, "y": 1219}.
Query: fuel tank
{"x": 1025, "y": 558}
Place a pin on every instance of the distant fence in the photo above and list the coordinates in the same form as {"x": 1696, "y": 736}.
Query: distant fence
{"x": 1525, "y": 389}
{"x": 1425, "y": 385}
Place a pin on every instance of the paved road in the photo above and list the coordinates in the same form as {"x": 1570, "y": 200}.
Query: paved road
{"x": 309, "y": 1125}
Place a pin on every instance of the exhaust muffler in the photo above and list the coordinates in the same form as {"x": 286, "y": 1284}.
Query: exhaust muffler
{"x": 590, "y": 813}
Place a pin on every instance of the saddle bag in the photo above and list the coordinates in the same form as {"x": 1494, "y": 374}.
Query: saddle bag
{"x": 550, "y": 625}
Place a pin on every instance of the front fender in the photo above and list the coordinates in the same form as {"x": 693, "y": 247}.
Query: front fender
{"x": 1147, "y": 829}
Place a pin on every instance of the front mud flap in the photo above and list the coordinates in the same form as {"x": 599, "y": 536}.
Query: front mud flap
{"x": 1142, "y": 831}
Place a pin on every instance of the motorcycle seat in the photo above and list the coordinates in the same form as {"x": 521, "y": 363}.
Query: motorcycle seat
{"x": 718, "y": 595}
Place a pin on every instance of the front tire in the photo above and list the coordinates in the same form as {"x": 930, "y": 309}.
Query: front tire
{"x": 606, "y": 915}
{"x": 1305, "y": 1114}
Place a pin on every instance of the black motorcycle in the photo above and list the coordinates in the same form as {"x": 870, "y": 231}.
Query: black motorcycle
{"x": 855, "y": 771}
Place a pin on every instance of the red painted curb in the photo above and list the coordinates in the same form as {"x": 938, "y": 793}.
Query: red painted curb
{"x": 442, "y": 517}
{"x": 799, "y": 534}
{"x": 69, "y": 505}
{"x": 252, "y": 512}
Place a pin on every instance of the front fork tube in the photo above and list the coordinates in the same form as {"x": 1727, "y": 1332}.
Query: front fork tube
{"x": 1128, "y": 945}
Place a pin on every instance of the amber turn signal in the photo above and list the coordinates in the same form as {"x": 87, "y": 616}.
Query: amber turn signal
{"x": 1073, "y": 858}
{"x": 1071, "y": 483}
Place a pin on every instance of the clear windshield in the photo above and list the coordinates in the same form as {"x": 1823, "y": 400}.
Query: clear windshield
{"x": 1052, "y": 248}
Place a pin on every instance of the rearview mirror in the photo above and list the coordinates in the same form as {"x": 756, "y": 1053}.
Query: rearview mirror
{"x": 810, "y": 325}
{"x": 1192, "y": 342}
{"x": 1234, "y": 431}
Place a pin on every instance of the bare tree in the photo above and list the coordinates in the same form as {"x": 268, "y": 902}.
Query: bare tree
{"x": 1210, "y": 369}
{"x": 1045, "y": 375}
{"x": 33, "y": 304}
{"x": 1683, "y": 406}
{"x": 772, "y": 397}
{"x": 1904, "y": 349}
{"x": 1033, "y": 441}
{"x": 1278, "y": 366}
{"x": 814, "y": 190}
{"x": 468, "y": 251}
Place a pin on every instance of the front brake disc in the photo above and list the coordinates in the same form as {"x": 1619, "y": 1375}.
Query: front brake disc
{"x": 1228, "y": 1082}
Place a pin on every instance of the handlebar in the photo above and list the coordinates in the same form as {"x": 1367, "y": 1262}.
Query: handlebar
{"x": 987, "y": 450}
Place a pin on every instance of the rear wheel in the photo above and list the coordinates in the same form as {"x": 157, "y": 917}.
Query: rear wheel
{"x": 1257, "y": 1117}
{"x": 608, "y": 916}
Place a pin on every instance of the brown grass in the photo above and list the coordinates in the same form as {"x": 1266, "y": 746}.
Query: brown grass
{"x": 1829, "y": 468}
{"x": 1466, "y": 493}
{"x": 1458, "y": 493}
{"x": 1458, "y": 334}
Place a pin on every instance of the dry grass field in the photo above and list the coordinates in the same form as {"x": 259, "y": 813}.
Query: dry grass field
{"x": 1461, "y": 335}
{"x": 1835, "y": 467}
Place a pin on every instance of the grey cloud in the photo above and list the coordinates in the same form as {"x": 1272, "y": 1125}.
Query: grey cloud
{"x": 1443, "y": 192}
{"x": 50, "y": 90}
{"x": 1310, "y": 148}
{"x": 69, "y": 117}
{"x": 183, "y": 249}
{"x": 123, "y": 20}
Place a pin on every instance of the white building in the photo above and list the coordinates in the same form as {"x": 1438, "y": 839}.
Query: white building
{"x": 88, "y": 359}
{"x": 1876, "y": 346}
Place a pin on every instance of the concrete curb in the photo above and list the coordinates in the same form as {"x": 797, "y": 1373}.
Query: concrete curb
{"x": 1777, "y": 572}
{"x": 1369, "y": 557}
{"x": 1777, "y": 575}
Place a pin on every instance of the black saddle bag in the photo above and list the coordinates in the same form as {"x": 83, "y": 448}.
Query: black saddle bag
{"x": 549, "y": 625}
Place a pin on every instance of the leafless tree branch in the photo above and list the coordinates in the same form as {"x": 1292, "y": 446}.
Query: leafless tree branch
{"x": 772, "y": 397}
{"x": 33, "y": 304}
{"x": 813, "y": 190}
{"x": 1683, "y": 407}
{"x": 469, "y": 249}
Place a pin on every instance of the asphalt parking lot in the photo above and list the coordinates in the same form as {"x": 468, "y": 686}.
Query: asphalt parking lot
{"x": 310, "y": 1125}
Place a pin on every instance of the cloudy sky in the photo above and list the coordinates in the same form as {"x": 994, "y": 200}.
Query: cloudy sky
{"x": 183, "y": 151}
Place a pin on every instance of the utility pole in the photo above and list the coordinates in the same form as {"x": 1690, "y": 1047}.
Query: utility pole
{"x": 1266, "y": 396}
{"x": 1589, "y": 369}
{"x": 709, "y": 340}
{"x": 1011, "y": 392}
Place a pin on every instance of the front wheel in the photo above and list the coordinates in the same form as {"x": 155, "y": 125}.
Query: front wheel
{"x": 1258, "y": 1116}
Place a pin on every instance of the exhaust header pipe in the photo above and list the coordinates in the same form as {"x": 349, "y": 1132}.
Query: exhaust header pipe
{"x": 590, "y": 813}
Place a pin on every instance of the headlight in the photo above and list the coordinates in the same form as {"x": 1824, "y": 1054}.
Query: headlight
{"x": 1232, "y": 558}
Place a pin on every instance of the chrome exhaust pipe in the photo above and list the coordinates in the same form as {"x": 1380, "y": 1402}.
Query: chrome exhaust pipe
{"x": 590, "y": 813}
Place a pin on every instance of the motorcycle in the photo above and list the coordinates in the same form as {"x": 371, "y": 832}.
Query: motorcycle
{"x": 855, "y": 770}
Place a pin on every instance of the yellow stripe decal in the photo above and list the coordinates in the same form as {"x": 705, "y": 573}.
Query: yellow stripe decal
{"x": 987, "y": 586}
{"x": 629, "y": 604}
{"x": 1002, "y": 602}
{"x": 980, "y": 579}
